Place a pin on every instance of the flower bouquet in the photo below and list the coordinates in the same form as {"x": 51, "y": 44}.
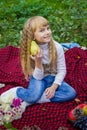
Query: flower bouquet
{"x": 11, "y": 110}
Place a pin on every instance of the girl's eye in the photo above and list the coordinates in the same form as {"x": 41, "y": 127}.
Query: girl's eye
{"x": 42, "y": 30}
{"x": 48, "y": 28}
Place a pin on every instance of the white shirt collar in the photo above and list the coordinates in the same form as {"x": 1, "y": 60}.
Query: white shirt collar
{"x": 44, "y": 46}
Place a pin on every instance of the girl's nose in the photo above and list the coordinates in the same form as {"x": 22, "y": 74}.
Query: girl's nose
{"x": 47, "y": 31}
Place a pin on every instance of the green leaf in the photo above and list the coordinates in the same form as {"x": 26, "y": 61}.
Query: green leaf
{"x": 8, "y": 125}
{"x": 13, "y": 129}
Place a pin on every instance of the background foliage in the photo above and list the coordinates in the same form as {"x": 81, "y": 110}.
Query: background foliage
{"x": 68, "y": 19}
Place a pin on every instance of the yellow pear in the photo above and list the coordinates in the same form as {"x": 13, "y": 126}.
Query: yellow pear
{"x": 85, "y": 110}
{"x": 34, "y": 48}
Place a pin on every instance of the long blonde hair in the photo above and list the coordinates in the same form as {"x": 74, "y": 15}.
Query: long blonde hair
{"x": 27, "y": 36}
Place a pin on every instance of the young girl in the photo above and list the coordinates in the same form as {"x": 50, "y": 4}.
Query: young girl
{"x": 46, "y": 69}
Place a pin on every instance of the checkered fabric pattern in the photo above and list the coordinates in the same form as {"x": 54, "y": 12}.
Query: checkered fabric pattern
{"x": 47, "y": 116}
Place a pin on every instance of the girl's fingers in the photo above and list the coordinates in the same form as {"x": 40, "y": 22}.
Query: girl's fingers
{"x": 39, "y": 55}
{"x": 48, "y": 94}
{"x": 40, "y": 52}
{"x": 36, "y": 56}
{"x": 32, "y": 57}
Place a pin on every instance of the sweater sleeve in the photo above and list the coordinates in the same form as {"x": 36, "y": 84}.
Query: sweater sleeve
{"x": 38, "y": 73}
{"x": 61, "y": 65}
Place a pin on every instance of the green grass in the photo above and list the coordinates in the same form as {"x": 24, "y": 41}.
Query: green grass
{"x": 68, "y": 19}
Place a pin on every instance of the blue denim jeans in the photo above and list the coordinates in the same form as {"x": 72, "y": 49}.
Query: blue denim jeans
{"x": 36, "y": 89}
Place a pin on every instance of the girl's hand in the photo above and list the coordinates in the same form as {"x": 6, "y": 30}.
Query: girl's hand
{"x": 50, "y": 92}
{"x": 38, "y": 59}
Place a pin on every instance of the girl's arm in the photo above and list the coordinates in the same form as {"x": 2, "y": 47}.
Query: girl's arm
{"x": 61, "y": 65}
{"x": 38, "y": 72}
{"x": 61, "y": 72}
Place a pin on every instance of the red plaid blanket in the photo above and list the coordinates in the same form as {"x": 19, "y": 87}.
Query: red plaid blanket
{"x": 48, "y": 116}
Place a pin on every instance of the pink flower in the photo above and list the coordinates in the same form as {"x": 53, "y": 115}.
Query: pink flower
{"x": 16, "y": 102}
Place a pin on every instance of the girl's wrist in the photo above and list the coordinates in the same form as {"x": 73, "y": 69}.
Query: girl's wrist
{"x": 40, "y": 66}
{"x": 55, "y": 86}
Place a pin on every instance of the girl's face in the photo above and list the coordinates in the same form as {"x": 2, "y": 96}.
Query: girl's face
{"x": 43, "y": 34}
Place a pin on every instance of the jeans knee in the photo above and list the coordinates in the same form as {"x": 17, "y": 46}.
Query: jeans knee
{"x": 72, "y": 94}
{"x": 34, "y": 98}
